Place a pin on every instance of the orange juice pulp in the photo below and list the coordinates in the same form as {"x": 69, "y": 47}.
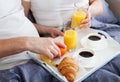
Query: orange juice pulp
{"x": 70, "y": 39}
{"x": 77, "y": 17}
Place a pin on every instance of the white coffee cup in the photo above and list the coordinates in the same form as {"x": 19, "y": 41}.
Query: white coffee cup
{"x": 85, "y": 57}
{"x": 96, "y": 41}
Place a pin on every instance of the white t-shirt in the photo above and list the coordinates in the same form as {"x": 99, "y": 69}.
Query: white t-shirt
{"x": 13, "y": 23}
{"x": 54, "y": 12}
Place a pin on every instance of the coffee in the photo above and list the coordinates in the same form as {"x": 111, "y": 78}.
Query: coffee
{"x": 94, "y": 38}
{"x": 86, "y": 54}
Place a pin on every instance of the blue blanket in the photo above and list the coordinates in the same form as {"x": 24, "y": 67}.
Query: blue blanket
{"x": 112, "y": 29}
{"x": 28, "y": 72}
{"x": 33, "y": 72}
{"x": 108, "y": 73}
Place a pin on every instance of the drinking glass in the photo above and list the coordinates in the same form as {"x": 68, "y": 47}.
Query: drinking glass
{"x": 79, "y": 13}
{"x": 70, "y": 39}
{"x": 71, "y": 25}
{"x": 78, "y": 16}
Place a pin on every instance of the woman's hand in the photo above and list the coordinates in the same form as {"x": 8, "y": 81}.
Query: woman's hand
{"x": 86, "y": 23}
{"x": 95, "y": 9}
{"x": 46, "y": 46}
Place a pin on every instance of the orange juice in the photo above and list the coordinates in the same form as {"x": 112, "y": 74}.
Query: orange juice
{"x": 70, "y": 39}
{"x": 77, "y": 17}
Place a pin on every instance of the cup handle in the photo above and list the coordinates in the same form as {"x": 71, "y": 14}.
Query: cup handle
{"x": 102, "y": 34}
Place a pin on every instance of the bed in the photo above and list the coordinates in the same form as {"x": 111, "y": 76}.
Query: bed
{"x": 32, "y": 72}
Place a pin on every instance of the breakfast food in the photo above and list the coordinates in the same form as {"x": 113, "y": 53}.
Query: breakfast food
{"x": 63, "y": 50}
{"x": 68, "y": 68}
{"x": 47, "y": 60}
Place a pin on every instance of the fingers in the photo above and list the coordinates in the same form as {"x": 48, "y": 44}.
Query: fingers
{"x": 59, "y": 43}
{"x": 57, "y": 33}
{"x": 53, "y": 35}
{"x": 49, "y": 54}
{"x": 61, "y": 33}
{"x": 55, "y": 51}
{"x": 50, "y": 47}
{"x": 58, "y": 54}
{"x": 87, "y": 20}
{"x": 85, "y": 23}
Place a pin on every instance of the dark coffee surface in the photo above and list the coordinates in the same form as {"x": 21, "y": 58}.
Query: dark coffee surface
{"x": 94, "y": 38}
{"x": 86, "y": 54}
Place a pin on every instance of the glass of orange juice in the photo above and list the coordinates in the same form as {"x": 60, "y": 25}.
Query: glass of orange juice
{"x": 70, "y": 39}
{"x": 78, "y": 16}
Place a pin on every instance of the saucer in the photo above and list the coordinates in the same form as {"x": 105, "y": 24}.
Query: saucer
{"x": 83, "y": 42}
{"x": 91, "y": 65}
{"x": 86, "y": 62}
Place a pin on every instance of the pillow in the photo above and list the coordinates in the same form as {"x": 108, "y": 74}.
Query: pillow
{"x": 107, "y": 16}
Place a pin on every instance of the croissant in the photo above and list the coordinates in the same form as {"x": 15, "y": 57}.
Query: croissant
{"x": 68, "y": 68}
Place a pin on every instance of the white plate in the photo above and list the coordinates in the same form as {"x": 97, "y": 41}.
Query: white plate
{"x": 91, "y": 65}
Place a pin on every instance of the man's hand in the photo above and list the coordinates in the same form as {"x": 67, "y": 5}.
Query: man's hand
{"x": 54, "y": 32}
{"x": 46, "y": 46}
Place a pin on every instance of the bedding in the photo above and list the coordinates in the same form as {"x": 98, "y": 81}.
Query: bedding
{"x": 28, "y": 72}
{"x": 107, "y": 22}
{"x": 108, "y": 73}
{"x": 112, "y": 29}
{"x": 33, "y": 72}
